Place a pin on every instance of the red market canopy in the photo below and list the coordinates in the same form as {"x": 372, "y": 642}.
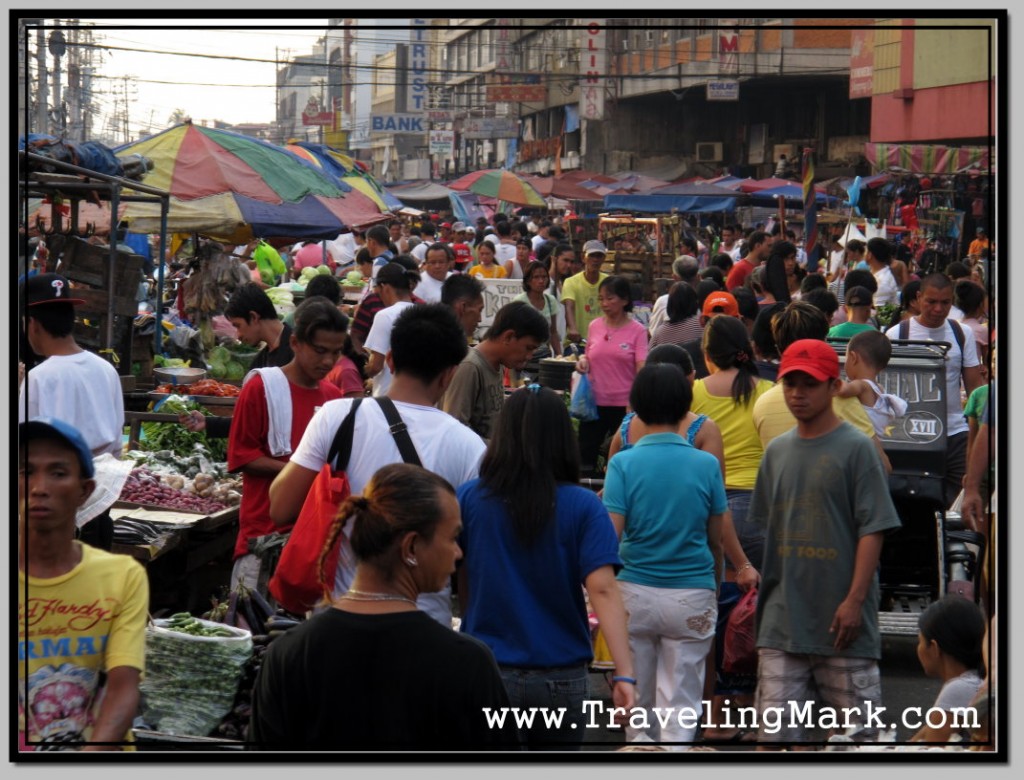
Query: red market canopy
{"x": 922, "y": 158}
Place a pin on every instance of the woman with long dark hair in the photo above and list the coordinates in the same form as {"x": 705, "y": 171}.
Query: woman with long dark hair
{"x": 532, "y": 537}
{"x": 776, "y": 280}
{"x": 352, "y": 677}
{"x": 727, "y": 396}
{"x": 683, "y": 323}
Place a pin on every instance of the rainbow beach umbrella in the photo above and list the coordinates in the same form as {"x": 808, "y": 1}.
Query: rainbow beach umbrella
{"x": 234, "y": 188}
{"x": 500, "y": 184}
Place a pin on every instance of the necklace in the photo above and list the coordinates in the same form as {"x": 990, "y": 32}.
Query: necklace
{"x": 361, "y": 595}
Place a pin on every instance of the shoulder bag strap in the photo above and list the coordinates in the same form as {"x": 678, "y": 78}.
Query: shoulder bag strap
{"x": 904, "y": 332}
{"x": 958, "y": 334}
{"x": 399, "y": 431}
{"x": 341, "y": 447}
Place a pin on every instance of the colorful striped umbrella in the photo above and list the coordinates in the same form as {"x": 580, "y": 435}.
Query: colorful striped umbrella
{"x": 500, "y": 184}
{"x": 351, "y": 172}
{"x": 234, "y": 188}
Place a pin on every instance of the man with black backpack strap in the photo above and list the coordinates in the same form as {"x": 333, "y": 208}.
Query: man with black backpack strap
{"x": 427, "y": 346}
{"x": 934, "y": 300}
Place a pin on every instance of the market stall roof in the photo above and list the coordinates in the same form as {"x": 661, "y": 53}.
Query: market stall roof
{"x": 638, "y": 182}
{"x": 729, "y": 182}
{"x": 561, "y": 188}
{"x": 348, "y": 170}
{"x": 667, "y": 172}
{"x": 580, "y": 175}
{"x": 790, "y": 192}
{"x": 756, "y": 185}
{"x": 235, "y": 188}
{"x": 694, "y": 198}
{"x": 420, "y": 192}
{"x": 925, "y": 158}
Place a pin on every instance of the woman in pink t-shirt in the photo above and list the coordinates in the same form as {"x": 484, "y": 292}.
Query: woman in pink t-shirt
{"x": 616, "y": 351}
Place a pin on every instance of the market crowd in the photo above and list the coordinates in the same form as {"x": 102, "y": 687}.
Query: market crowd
{"x": 735, "y": 458}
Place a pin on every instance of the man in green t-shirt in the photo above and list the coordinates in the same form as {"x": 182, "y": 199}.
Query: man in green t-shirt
{"x": 579, "y": 293}
{"x": 823, "y": 497}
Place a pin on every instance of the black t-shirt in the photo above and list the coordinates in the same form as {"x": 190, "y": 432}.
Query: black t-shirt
{"x": 279, "y": 357}
{"x": 343, "y": 681}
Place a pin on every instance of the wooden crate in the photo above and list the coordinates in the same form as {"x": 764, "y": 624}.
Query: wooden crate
{"x": 641, "y": 269}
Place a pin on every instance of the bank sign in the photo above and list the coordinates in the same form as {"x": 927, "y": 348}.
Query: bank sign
{"x": 398, "y": 124}
{"x": 723, "y": 90}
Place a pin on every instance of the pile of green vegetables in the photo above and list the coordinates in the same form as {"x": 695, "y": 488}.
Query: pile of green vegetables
{"x": 230, "y": 363}
{"x": 176, "y": 437}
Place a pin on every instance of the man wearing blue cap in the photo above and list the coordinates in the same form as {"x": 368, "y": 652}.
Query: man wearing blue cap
{"x": 81, "y": 611}
{"x": 72, "y": 384}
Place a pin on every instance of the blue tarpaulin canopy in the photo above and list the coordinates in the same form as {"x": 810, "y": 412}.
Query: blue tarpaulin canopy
{"x": 790, "y": 192}
{"x": 679, "y": 197}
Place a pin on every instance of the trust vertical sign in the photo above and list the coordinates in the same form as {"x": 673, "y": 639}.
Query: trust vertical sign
{"x": 416, "y": 95}
{"x": 593, "y": 68}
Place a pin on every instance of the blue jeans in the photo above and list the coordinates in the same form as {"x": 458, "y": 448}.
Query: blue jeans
{"x": 751, "y": 535}
{"x": 565, "y": 686}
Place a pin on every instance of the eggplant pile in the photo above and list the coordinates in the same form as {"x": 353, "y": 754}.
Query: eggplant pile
{"x": 246, "y": 608}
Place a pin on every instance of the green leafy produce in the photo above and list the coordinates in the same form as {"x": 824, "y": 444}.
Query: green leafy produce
{"x": 175, "y": 436}
{"x": 323, "y": 270}
{"x": 354, "y": 279}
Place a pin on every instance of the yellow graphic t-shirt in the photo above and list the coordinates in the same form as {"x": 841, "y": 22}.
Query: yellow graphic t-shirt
{"x": 70, "y": 629}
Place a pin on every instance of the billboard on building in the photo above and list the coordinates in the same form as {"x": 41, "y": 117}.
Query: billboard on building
{"x": 516, "y": 93}
{"x": 442, "y": 141}
{"x": 490, "y": 127}
{"x": 728, "y": 49}
{"x": 862, "y": 59}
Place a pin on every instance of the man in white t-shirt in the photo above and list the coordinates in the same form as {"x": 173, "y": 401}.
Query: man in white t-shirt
{"x": 394, "y": 285}
{"x": 879, "y": 256}
{"x": 427, "y": 346}
{"x": 437, "y": 266}
{"x": 72, "y": 385}
{"x": 934, "y": 300}
{"x": 543, "y": 234}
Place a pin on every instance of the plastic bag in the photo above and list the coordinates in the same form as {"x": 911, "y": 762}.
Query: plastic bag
{"x": 583, "y": 406}
{"x": 739, "y": 655}
{"x": 191, "y": 681}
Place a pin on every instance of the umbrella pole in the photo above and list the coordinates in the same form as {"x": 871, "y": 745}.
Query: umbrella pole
{"x": 782, "y": 217}
{"x": 158, "y": 334}
{"x": 108, "y": 341}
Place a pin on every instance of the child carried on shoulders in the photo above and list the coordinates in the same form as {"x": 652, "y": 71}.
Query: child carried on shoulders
{"x": 867, "y": 355}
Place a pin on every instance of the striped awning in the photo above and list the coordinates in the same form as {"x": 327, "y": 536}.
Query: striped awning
{"x": 922, "y": 158}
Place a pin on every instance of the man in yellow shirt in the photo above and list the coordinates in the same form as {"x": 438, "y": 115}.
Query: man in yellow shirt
{"x": 772, "y": 417}
{"x": 81, "y": 610}
{"x": 579, "y": 293}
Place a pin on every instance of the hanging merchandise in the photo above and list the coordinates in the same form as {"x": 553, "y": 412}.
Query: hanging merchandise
{"x": 908, "y": 215}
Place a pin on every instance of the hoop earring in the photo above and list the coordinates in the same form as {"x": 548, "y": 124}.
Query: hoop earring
{"x": 411, "y": 561}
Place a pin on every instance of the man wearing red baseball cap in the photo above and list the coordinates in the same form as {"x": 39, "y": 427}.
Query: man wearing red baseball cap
{"x": 822, "y": 496}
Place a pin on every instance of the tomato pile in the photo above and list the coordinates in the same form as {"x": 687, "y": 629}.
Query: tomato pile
{"x": 202, "y": 387}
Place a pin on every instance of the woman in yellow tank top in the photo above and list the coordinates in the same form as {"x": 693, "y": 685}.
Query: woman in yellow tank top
{"x": 727, "y": 396}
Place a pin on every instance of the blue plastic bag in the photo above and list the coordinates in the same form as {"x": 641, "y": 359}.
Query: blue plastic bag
{"x": 583, "y": 406}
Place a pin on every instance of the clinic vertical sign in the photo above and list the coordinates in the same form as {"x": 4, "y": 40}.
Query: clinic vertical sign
{"x": 593, "y": 68}
{"x": 416, "y": 86}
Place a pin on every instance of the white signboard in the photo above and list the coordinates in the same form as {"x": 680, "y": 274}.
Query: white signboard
{"x": 490, "y": 127}
{"x": 593, "y": 67}
{"x": 413, "y": 124}
{"x": 723, "y": 90}
{"x": 442, "y": 141}
{"x": 416, "y": 95}
{"x": 497, "y": 292}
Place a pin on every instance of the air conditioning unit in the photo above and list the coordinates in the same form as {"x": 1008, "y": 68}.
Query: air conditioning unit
{"x": 709, "y": 151}
{"x": 783, "y": 149}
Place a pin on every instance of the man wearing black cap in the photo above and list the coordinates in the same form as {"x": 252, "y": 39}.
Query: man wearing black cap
{"x": 71, "y": 384}
{"x": 81, "y": 611}
{"x": 394, "y": 284}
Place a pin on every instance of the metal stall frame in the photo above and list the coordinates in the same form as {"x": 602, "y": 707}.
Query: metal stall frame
{"x": 106, "y": 188}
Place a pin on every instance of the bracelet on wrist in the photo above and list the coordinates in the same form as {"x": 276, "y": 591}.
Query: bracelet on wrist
{"x": 747, "y": 565}
{"x": 622, "y": 678}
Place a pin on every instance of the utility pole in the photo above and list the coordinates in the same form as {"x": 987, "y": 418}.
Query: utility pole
{"x": 125, "y": 117}
{"x": 43, "y": 104}
{"x": 57, "y": 49}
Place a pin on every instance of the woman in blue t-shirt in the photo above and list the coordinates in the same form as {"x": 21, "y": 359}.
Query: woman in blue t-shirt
{"x": 667, "y": 500}
{"x": 532, "y": 539}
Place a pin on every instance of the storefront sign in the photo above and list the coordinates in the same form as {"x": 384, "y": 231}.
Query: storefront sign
{"x": 593, "y": 67}
{"x": 398, "y": 123}
{"x": 862, "y": 62}
{"x": 490, "y": 127}
{"x": 516, "y": 93}
{"x": 728, "y": 49}
{"x": 723, "y": 90}
{"x": 416, "y": 86}
{"x": 442, "y": 141}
